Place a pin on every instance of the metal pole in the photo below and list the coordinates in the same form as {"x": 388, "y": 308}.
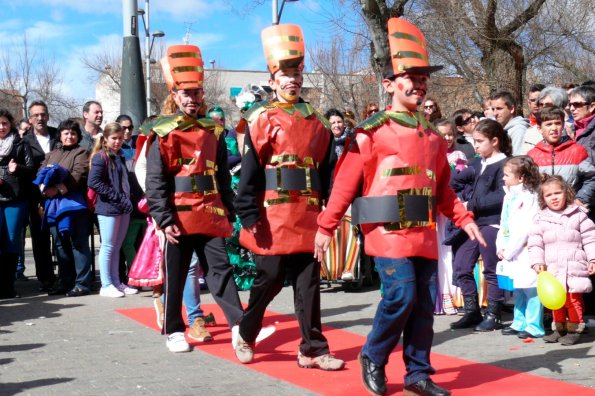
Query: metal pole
{"x": 148, "y": 58}
{"x": 132, "y": 92}
{"x": 275, "y": 12}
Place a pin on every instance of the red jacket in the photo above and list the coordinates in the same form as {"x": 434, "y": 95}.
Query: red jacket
{"x": 397, "y": 155}
{"x": 563, "y": 159}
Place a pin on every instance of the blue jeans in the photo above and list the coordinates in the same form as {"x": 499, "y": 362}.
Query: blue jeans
{"x": 12, "y": 220}
{"x": 192, "y": 291}
{"x": 113, "y": 230}
{"x": 407, "y": 308}
{"x": 528, "y": 312}
{"x": 12, "y": 223}
{"x": 74, "y": 254}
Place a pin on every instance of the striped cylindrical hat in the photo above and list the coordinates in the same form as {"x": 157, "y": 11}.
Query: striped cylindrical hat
{"x": 183, "y": 67}
{"x": 408, "y": 49}
{"x": 283, "y": 46}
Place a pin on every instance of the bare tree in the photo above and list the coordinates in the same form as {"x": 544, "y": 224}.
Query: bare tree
{"x": 27, "y": 75}
{"x": 342, "y": 76}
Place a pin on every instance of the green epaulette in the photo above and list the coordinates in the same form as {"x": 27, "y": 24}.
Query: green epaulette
{"x": 305, "y": 109}
{"x": 165, "y": 124}
{"x": 255, "y": 111}
{"x": 406, "y": 119}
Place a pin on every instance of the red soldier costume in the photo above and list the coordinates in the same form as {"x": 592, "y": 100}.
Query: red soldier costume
{"x": 188, "y": 187}
{"x": 398, "y": 164}
{"x": 286, "y": 170}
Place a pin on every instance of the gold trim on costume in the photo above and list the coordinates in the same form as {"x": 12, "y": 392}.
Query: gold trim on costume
{"x": 426, "y": 191}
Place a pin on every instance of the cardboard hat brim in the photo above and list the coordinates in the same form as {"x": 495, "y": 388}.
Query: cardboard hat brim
{"x": 389, "y": 72}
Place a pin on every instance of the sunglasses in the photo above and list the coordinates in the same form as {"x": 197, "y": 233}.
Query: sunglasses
{"x": 577, "y": 105}
{"x": 468, "y": 120}
{"x": 130, "y": 127}
{"x": 429, "y": 107}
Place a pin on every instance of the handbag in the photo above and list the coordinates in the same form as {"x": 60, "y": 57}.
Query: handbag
{"x": 92, "y": 194}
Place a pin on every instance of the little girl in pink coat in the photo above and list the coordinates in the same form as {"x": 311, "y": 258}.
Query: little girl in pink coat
{"x": 562, "y": 241}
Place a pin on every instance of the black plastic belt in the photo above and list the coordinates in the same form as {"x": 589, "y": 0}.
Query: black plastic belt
{"x": 196, "y": 183}
{"x": 291, "y": 179}
{"x": 385, "y": 209}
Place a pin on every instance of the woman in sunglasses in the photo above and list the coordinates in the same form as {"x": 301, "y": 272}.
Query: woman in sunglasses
{"x": 582, "y": 108}
{"x": 431, "y": 109}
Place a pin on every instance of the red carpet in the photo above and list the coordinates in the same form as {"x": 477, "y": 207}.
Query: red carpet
{"x": 276, "y": 357}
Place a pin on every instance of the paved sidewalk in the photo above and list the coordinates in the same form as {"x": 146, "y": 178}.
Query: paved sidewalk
{"x": 80, "y": 346}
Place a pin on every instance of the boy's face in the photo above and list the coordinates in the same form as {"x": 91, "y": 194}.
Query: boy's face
{"x": 551, "y": 131}
{"x": 287, "y": 84}
{"x": 407, "y": 90}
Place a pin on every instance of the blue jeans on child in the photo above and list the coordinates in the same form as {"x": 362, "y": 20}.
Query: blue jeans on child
{"x": 192, "y": 291}
{"x": 528, "y": 312}
{"x": 407, "y": 308}
{"x": 191, "y": 294}
{"x": 113, "y": 230}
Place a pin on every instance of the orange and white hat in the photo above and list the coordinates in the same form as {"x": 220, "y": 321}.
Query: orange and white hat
{"x": 408, "y": 50}
{"x": 183, "y": 67}
{"x": 283, "y": 46}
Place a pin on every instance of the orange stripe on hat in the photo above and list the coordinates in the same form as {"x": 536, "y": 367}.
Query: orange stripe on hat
{"x": 183, "y": 67}
{"x": 408, "y": 48}
{"x": 282, "y": 43}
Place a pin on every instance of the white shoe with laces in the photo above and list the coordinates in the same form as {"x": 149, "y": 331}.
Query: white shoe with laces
{"x": 126, "y": 289}
{"x": 110, "y": 291}
{"x": 264, "y": 333}
{"x": 176, "y": 343}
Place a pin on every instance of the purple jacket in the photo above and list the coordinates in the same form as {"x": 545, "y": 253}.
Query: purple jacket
{"x": 565, "y": 243}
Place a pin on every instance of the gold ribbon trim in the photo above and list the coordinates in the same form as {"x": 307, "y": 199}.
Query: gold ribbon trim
{"x": 407, "y": 36}
{"x": 282, "y": 39}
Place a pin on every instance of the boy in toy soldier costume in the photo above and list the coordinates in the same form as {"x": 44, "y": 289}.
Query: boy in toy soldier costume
{"x": 285, "y": 176}
{"x": 398, "y": 165}
{"x": 189, "y": 194}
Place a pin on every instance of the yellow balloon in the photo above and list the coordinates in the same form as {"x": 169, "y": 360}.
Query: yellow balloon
{"x": 550, "y": 291}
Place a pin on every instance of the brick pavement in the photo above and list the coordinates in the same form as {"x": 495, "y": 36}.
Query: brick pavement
{"x": 80, "y": 346}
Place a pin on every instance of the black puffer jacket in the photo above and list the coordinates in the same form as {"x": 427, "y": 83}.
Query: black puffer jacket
{"x": 16, "y": 186}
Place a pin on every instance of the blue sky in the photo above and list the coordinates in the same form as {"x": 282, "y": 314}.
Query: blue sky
{"x": 227, "y": 31}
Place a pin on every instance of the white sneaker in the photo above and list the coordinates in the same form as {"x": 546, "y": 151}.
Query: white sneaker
{"x": 110, "y": 291}
{"x": 265, "y": 332}
{"x": 176, "y": 342}
{"x": 126, "y": 289}
{"x": 235, "y": 332}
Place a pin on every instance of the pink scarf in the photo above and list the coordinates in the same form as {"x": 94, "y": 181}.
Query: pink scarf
{"x": 581, "y": 125}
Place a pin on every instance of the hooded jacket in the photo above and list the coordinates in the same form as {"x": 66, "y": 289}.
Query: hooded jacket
{"x": 569, "y": 160}
{"x": 516, "y": 129}
{"x": 518, "y": 210}
{"x": 565, "y": 243}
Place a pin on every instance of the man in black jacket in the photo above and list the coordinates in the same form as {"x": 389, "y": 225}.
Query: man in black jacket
{"x": 189, "y": 194}
{"x": 42, "y": 139}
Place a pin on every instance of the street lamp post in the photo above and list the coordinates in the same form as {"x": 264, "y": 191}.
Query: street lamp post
{"x": 277, "y": 12}
{"x": 132, "y": 87}
{"x": 149, "y": 41}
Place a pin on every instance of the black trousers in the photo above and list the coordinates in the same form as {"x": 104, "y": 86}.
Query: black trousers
{"x": 219, "y": 276}
{"x": 303, "y": 272}
{"x": 40, "y": 240}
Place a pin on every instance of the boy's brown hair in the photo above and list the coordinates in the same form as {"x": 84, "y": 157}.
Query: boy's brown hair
{"x": 549, "y": 114}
